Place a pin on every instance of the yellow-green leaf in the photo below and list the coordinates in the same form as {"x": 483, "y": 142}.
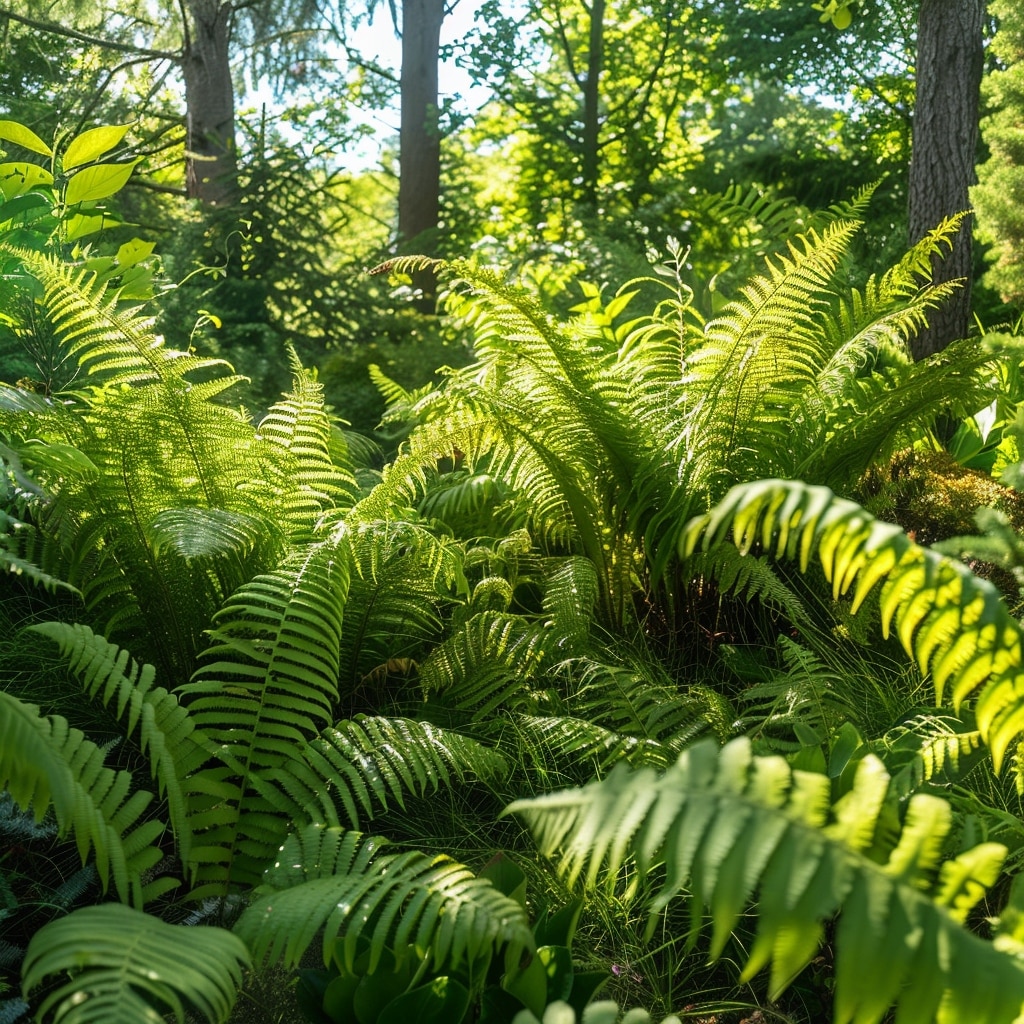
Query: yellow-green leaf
{"x": 91, "y": 145}
{"x": 18, "y": 178}
{"x": 98, "y": 182}
{"x": 24, "y": 137}
{"x": 842, "y": 19}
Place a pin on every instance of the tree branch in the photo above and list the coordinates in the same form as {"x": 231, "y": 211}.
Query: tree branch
{"x": 84, "y": 37}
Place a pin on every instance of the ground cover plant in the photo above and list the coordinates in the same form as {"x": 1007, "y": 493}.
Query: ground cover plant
{"x": 549, "y": 672}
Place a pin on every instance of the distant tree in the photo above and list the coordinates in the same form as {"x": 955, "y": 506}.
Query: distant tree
{"x": 999, "y": 196}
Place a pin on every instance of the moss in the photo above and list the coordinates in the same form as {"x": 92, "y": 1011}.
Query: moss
{"x": 933, "y": 498}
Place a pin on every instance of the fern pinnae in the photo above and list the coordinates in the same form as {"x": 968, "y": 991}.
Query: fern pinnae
{"x": 726, "y": 824}
{"x": 44, "y": 762}
{"x": 356, "y": 769}
{"x": 347, "y": 884}
{"x": 165, "y": 729}
{"x": 952, "y": 623}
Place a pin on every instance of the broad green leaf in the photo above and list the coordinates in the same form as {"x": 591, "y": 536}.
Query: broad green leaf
{"x": 18, "y": 178}
{"x": 81, "y": 225}
{"x": 24, "y": 137}
{"x": 440, "y": 1001}
{"x": 98, "y": 182}
{"x": 134, "y": 252}
{"x": 91, "y": 145}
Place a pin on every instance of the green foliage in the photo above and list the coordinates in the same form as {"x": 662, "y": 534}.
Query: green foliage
{"x": 1000, "y": 176}
{"x": 953, "y": 624}
{"x": 130, "y": 968}
{"x": 725, "y": 825}
{"x": 342, "y": 883}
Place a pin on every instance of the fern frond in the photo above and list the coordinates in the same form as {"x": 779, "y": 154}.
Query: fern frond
{"x": 266, "y": 685}
{"x": 401, "y": 577}
{"x": 44, "y": 763}
{"x": 165, "y": 729}
{"x": 484, "y": 663}
{"x": 726, "y": 825}
{"x": 356, "y": 769}
{"x": 111, "y": 342}
{"x": 299, "y": 426}
{"x": 952, "y": 623}
{"x": 129, "y": 968}
{"x": 350, "y": 886}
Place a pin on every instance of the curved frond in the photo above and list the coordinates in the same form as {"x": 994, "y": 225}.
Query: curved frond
{"x": 110, "y": 675}
{"x": 401, "y": 576}
{"x": 350, "y": 886}
{"x": 44, "y": 763}
{"x": 484, "y": 662}
{"x": 267, "y": 684}
{"x": 299, "y": 426}
{"x": 955, "y": 625}
{"x": 129, "y": 968}
{"x": 355, "y": 770}
{"x": 727, "y": 828}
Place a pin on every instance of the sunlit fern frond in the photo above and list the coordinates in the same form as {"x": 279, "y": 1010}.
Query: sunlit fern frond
{"x": 109, "y": 675}
{"x": 299, "y": 426}
{"x": 113, "y": 344}
{"x": 726, "y": 829}
{"x": 44, "y": 763}
{"x": 484, "y": 663}
{"x": 570, "y": 597}
{"x": 758, "y": 355}
{"x": 952, "y": 623}
{"x": 929, "y": 748}
{"x": 266, "y": 685}
{"x": 402, "y": 576}
{"x": 876, "y": 414}
{"x": 120, "y": 966}
{"x": 341, "y": 884}
{"x": 354, "y": 771}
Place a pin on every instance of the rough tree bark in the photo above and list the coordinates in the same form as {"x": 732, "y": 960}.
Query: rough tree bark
{"x": 419, "y": 187}
{"x": 949, "y": 68}
{"x": 211, "y": 159}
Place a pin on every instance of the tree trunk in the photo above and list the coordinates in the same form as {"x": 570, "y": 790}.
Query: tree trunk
{"x": 419, "y": 187}
{"x": 949, "y": 67}
{"x": 591, "y": 107}
{"x": 211, "y": 160}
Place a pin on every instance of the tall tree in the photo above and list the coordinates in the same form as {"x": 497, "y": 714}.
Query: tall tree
{"x": 207, "y": 40}
{"x": 949, "y": 68}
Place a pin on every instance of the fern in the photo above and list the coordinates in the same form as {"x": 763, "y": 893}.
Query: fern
{"x": 267, "y": 684}
{"x": 484, "y": 663}
{"x": 165, "y": 729}
{"x": 355, "y": 770}
{"x": 300, "y": 427}
{"x": 953, "y": 624}
{"x": 725, "y": 825}
{"x": 130, "y": 968}
{"x": 44, "y": 763}
{"x": 349, "y": 886}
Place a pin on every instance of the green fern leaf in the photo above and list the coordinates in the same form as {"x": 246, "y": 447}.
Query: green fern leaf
{"x": 266, "y": 686}
{"x": 165, "y": 729}
{"x": 129, "y": 968}
{"x": 952, "y": 623}
{"x": 726, "y": 826}
{"x": 44, "y": 763}
{"x": 356, "y": 769}
{"x": 343, "y": 883}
